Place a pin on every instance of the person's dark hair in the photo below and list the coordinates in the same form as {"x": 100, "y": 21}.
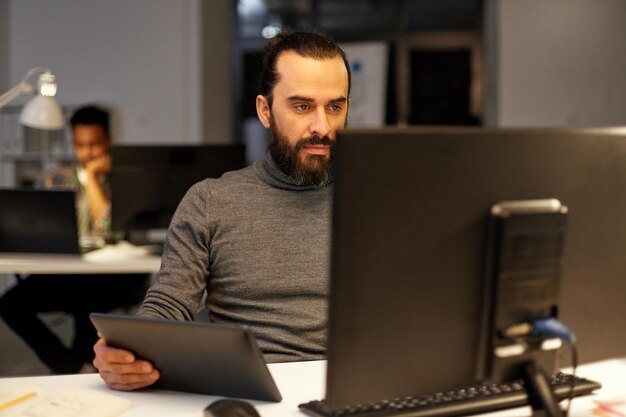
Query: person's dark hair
{"x": 306, "y": 44}
{"x": 91, "y": 115}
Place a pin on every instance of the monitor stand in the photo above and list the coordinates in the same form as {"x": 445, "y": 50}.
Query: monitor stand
{"x": 540, "y": 396}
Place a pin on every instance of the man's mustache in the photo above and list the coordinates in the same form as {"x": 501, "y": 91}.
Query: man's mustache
{"x": 315, "y": 140}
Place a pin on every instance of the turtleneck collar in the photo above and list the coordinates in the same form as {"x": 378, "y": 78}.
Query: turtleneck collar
{"x": 271, "y": 174}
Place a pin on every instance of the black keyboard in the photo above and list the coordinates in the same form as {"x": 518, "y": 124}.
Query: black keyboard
{"x": 475, "y": 399}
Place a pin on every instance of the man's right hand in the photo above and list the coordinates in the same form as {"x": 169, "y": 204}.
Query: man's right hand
{"x": 120, "y": 369}
{"x": 99, "y": 165}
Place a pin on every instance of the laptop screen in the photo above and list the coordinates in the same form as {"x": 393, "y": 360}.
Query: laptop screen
{"x": 33, "y": 220}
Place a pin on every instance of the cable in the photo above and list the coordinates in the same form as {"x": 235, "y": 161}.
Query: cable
{"x": 552, "y": 327}
{"x": 574, "y": 366}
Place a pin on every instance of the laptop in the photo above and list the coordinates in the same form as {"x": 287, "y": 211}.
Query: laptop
{"x": 206, "y": 358}
{"x": 36, "y": 220}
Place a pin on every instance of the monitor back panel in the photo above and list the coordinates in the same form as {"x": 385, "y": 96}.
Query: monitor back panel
{"x": 148, "y": 181}
{"x": 410, "y": 212}
{"x": 38, "y": 221}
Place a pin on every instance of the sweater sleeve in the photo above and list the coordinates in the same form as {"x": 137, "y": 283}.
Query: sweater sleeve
{"x": 180, "y": 285}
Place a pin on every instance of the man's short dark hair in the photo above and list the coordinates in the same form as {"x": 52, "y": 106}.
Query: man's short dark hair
{"x": 307, "y": 44}
{"x": 91, "y": 115}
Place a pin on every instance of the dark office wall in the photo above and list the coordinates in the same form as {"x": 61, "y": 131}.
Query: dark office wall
{"x": 216, "y": 71}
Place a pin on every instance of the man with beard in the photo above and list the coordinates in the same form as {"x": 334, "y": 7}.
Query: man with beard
{"x": 257, "y": 240}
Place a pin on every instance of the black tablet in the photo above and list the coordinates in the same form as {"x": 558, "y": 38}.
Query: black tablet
{"x": 206, "y": 358}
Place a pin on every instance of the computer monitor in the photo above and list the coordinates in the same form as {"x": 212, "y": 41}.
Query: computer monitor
{"x": 148, "y": 182}
{"x": 410, "y": 234}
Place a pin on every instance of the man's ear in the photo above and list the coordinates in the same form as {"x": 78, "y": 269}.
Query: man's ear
{"x": 263, "y": 110}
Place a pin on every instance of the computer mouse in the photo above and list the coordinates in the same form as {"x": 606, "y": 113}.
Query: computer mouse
{"x": 230, "y": 408}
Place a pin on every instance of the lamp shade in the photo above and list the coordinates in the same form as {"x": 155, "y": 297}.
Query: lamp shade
{"x": 42, "y": 112}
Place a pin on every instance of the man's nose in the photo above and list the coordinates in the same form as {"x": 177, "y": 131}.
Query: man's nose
{"x": 320, "y": 125}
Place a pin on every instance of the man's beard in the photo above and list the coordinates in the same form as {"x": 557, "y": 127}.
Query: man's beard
{"x": 315, "y": 170}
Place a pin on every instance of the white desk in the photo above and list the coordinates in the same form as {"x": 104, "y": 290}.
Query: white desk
{"x": 299, "y": 382}
{"x": 121, "y": 258}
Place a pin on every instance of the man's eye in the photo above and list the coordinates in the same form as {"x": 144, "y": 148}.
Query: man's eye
{"x": 302, "y": 107}
{"x": 335, "y": 107}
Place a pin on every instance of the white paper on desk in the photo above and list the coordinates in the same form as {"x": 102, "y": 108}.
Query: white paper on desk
{"x": 613, "y": 407}
{"x": 9, "y": 397}
{"x": 119, "y": 252}
{"x": 70, "y": 403}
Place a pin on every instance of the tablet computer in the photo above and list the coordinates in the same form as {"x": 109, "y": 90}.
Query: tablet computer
{"x": 207, "y": 358}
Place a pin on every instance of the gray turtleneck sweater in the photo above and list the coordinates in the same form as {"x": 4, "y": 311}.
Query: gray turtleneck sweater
{"x": 260, "y": 246}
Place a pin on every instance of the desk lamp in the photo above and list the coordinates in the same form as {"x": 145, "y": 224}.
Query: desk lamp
{"x": 42, "y": 111}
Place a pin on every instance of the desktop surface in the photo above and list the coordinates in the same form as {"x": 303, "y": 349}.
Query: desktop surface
{"x": 121, "y": 258}
{"x": 299, "y": 382}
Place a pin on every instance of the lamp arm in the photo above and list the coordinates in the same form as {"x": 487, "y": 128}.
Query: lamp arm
{"x": 35, "y": 71}
{"x": 24, "y": 87}
{"x": 15, "y": 92}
